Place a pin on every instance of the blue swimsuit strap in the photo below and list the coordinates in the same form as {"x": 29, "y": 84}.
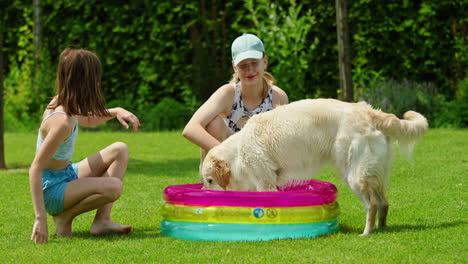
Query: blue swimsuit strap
{"x": 53, "y": 113}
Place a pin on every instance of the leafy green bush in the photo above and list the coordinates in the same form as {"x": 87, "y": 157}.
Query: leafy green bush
{"x": 181, "y": 49}
{"x": 450, "y": 114}
{"x": 27, "y": 87}
{"x": 24, "y": 101}
{"x": 462, "y": 90}
{"x": 423, "y": 41}
{"x": 286, "y": 45}
{"x": 398, "y": 97}
{"x": 168, "y": 114}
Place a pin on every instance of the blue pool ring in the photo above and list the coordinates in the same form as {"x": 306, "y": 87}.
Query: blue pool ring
{"x": 245, "y": 232}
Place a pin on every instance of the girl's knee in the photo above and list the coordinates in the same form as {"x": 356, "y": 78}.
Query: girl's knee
{"x": 113, "y": 188}
{"x": 120, "y": 149}
{"x": 120, "y": 146}
{"x": 218, "y": 129}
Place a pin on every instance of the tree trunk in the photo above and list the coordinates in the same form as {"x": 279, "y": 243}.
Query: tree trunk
{"x": 2, "y": 143}
{"x": 344, "y": 61}
{"x": 37, "y": 31}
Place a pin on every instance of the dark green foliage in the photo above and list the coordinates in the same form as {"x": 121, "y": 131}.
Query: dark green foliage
{"x": 423, "y": 41}
{"x": 450, "y": 114}
{"x": 462, "y": 90}
{"x": 398, "y": 97}
{"x": 151, "y": 50}
{"x": 167, "y": 114}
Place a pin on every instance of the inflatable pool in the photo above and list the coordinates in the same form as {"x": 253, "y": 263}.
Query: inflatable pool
{"x": 302, "y": 209}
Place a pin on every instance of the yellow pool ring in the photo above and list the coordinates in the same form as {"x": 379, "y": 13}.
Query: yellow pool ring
{"x": 251, "y": 215}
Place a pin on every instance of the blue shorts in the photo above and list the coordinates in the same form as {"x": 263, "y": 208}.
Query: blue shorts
{"x": 54, "y": 183}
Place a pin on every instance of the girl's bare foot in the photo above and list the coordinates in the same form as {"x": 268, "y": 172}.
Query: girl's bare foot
{"x": 63, "y": 227}
{"x": 107, "y": 227}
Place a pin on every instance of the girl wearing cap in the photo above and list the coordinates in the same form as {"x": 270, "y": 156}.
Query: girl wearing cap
{"x": 250, "y": 91}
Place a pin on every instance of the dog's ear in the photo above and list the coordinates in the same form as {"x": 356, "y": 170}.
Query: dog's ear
{"x": 221, "y": 172}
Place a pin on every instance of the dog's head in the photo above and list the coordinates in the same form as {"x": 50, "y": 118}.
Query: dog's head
{"x": 216, "y": 173}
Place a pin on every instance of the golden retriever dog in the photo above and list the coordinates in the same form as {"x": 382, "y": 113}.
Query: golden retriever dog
{"x": 293, "y": 141}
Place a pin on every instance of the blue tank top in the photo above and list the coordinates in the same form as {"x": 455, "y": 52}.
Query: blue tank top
{"x": 66, "y": 149}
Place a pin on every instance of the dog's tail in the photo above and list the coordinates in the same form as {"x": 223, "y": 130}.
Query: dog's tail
{"x": 406, "y": 131}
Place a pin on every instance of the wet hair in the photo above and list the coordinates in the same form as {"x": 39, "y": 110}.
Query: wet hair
{"x": 78, "y": 84}
{"x": 268, "y": 81}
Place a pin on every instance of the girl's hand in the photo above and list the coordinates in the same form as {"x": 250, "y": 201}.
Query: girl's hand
{"x": 124, "y": 115}
{"x": 40, "y": 232}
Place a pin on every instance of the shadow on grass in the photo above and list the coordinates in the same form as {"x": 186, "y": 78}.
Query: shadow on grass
{"x": 422, "y": 227}
{"x": 344, "y": 229}
{"x": 172, "y": 168}
{"x": 136, "y": 234}
{"x": 16, "y": 166}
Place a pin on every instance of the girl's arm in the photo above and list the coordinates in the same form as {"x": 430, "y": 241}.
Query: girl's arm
{"x": 218, "y": 103}
{"x": 279, "y": 96}
{"x": 58, "y": 132}
{"x": 121, "y": 114}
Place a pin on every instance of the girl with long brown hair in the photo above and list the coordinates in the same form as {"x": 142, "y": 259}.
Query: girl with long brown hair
{"x": 65, "y": 189}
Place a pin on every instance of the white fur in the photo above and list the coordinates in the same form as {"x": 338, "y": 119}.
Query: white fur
{"x": 294, "y": 141}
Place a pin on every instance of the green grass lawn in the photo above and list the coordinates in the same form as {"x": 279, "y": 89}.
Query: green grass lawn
{"x": 426, "y": 224}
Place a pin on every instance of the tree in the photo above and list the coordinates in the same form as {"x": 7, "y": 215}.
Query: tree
{"x": 37, "y": 31}
{"x": 344, "y": 61}
{"x": 2, "y": 145}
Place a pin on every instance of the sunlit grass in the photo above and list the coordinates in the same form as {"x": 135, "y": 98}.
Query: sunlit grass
{"x": 427, "y": 219}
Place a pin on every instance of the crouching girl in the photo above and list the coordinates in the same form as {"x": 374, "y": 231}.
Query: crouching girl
{"x": 65, "y": 189}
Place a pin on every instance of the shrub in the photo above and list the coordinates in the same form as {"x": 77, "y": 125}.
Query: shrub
{"x": 168, "y": 114}
{"x": 25, "y": 101}
{"x": 450, "y": 114}
{"x": 462, "y": 90}
{"x": 287, "y": 45}
{"x": 398, "y": 97}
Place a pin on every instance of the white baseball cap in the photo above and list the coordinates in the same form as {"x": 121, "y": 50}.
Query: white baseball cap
{"x": 247, "y": 46}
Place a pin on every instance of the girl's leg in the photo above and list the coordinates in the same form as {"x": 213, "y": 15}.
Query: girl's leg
{"x": 99, "y": 184}
{"x": 83, "y": 195}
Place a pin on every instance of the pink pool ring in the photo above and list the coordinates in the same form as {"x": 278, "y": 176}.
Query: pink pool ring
{"x": 303, "y": 193}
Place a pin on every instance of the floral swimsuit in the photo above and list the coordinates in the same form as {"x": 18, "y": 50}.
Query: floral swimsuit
{"x": 239, "y": 111}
